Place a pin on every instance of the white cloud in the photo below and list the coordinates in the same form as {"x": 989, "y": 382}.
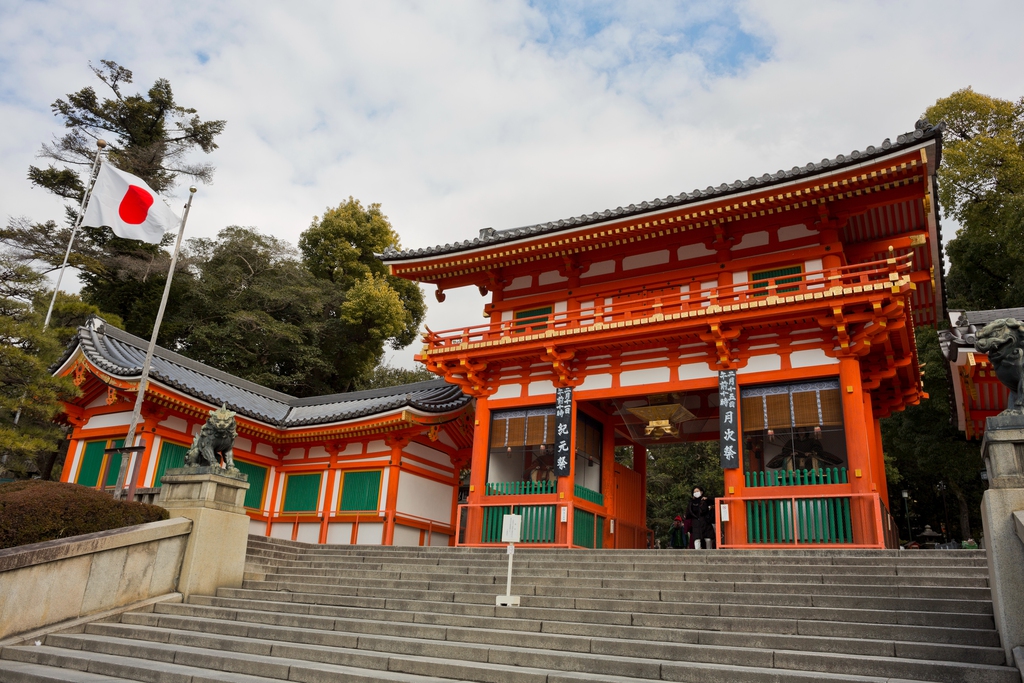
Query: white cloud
{"x": 456, "y": 116}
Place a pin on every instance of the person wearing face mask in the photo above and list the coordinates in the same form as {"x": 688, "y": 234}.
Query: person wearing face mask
{"x": 698, "y": 519}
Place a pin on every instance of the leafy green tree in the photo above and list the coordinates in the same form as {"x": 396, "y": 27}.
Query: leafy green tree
{"x": 250, "y": 306}
{"x": 149, "y": 135}
{"x": 928, "y": 449}
{"x": 30, "y": 397}
{"x": 386, "y": 375}
{"x": 340, "y": 246}
{"x": 981, "y": 185}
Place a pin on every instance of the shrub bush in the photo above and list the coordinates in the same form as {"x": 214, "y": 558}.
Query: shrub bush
{"x": 34, "y": 510}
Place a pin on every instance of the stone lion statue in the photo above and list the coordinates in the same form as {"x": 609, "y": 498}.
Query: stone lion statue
{"x": 213, "y": 444}
{"x": 1003, "y": 342}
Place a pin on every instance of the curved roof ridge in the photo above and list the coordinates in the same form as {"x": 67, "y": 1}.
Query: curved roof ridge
{"x": 923, "y": 130}
{"x": 121, "y": 353}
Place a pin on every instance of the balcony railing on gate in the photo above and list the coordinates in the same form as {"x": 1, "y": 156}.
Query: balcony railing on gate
{"x": 639, "y": 305}
{"x": 538, "y": 524}
{"x": 519, "y": 488}
{"x": 825, "y": 475}
{"x": 818, "y": 521}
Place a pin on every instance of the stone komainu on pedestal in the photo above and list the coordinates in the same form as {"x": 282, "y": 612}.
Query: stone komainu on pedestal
{"x": 213, "y": 444}
{"x": 1003, "y": 342}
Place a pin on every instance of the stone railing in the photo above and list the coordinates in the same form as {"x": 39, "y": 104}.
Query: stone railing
{"x": 65, "y": 579}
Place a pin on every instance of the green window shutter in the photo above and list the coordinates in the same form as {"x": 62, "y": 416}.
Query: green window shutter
{"x": 115, "y": 464}
{"x": 360, "y": 491}
{"x": 301, "y": 493}
{"x": 257, "y": 481}
{"x": 762, "y": 279}
{"x": 171, "y": 455}
{"x": 92, "y": 461}
{"x": 534, "y": 319}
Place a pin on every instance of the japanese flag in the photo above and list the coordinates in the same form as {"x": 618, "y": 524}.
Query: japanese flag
{"x": 128, "y": 206}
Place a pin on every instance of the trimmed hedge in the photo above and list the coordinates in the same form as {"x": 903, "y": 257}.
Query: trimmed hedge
{"x": 33, "y": 510}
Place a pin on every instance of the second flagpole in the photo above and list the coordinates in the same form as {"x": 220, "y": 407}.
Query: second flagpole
{"x": 128, "y": 449}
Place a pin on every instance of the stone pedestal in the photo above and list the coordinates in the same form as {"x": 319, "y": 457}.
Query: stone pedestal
{"x": 1003, "y": 451}
{"x": 213, "y": 499}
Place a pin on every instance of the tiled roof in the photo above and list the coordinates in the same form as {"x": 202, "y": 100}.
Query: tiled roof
{"x": 489, "y": 236}
{"x": 122, "y": 355}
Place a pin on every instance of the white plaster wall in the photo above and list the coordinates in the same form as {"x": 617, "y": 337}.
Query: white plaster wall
{"x": 281, "y": 530}
{"x": 257, "y": 528}
{"x": 241, "y": 444}
{"x": 600, "y": 268}
{"x": 384, "y": 478}
{"x": 699, "y": 370}
{"x": 406, "y": 536}
{"x": 764, "y": 363}
{"x": 318, "y": 452}
{"x": 437, "y": 539}
{"x": 339, "y": 533}
{"x": 519, "y": 283}
{"x": 508, "y": 391}
{"x": 98, "y": 402}
{"x": 654, "y": 258}
{"x": 151, "y": 468}
{"x": 370, "y": 534}
{"x": 752, "y": 239}
{"x": 264, "y": 449}
{"x": 309, "y": 532}
{"x": 540, "y": 388}
{"x": 792, "y": 232}
{"x": 550, "y": 277}
{"x": 431, "y": 454}
{"x": 354, "y": 448}
{"x": 692, "y": 251}
{"x": 295, "y": 454}
{"x": 109, "y": 420}
{"x": 377, "y": 447}
{"x": 76, "y": 457}
{"x": 426, "y": 498}
{"x": 176, "y": 424}
{"x": 809, "y": 357}
{"x": 602, "y": 381}
{"x": 505, "y": 467}
{"x": 633, "y": 378}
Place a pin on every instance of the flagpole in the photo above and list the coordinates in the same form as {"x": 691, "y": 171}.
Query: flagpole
{"x": 74, "y": 231}
{"x": 128, "y": 448}
{"x": 67, "y": 254}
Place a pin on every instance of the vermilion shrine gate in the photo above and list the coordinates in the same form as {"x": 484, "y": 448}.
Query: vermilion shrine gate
{"x": 806, "y": 283}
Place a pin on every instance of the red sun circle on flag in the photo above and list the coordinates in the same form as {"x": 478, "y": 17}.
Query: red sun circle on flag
{"x": 135, "y": 205}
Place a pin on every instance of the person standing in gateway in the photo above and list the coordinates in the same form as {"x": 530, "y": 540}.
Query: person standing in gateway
{"x": 698, "y": 520}
{"x": 677, "y": 534}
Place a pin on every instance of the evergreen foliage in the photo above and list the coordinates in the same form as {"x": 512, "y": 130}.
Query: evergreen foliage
{"x": 36, "y": 511}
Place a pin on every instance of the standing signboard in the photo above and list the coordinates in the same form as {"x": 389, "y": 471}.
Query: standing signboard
{"x": 728, "y": 441}
{"x": 563, "y": 431}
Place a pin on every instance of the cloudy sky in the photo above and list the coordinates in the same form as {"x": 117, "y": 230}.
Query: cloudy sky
{"x": 461, "y": 115}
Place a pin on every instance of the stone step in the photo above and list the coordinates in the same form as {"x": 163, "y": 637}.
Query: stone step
{"x": 343, "y": 607}
{"x": 25, "y": 672}
{"x": 889, "y": 589}
{"x": 480, "y": 630}
{"x": 492, "y": 587}
{"x": 844, "y": 613}
{"x": 602, "y": 656}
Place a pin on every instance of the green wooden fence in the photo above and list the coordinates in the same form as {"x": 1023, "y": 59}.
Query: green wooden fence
{"x": 586, "y": 531}
{"x": 818, "y": 520}
{"x": 538, "y": 523}
{"x": 589, "y": 496}
{"x": 519, "y": 488}
{"x": 827, "y": 475}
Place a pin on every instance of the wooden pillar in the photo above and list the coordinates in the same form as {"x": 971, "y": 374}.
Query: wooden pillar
{"x": 608, "y": 475}
{"x": 478, "y": 471}
{"x": 148, "y": 435}
{"x": 876, "y": 429}
{"x": 397, "y": 443}
{"x": 858, "y": 448}
{"x": 275, "y": 482}
{"x": 566, "y": 487}
{"x": 328, "y": 505}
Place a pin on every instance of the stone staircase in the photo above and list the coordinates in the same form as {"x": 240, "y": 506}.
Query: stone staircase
{"x": 341, "y": 613}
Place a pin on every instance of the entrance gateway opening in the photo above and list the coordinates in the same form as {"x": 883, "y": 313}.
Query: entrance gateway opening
{"x": 775, "y": 316}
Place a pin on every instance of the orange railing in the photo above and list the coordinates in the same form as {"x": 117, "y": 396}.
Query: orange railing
{"x": 642, "y": 305}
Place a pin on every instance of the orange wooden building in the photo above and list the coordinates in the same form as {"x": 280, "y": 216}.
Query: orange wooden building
{"x": 619, "y": 327}
{"x": 369, "y": 467}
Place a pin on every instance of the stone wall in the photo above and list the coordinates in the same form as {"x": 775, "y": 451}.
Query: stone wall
{"x": 55, "y": 581}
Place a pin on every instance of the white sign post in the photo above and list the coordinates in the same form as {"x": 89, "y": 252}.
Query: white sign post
{"x": 511, "y": 526}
